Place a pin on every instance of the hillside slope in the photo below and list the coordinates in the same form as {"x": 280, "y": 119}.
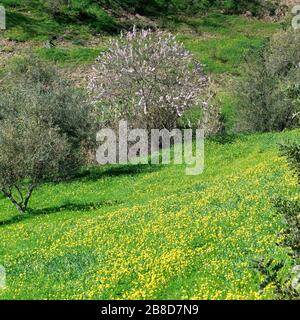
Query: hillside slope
{"x": 147, "y": 232}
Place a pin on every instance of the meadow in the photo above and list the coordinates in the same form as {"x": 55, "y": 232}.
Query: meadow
{"x": 151, "y": 232}
{"x": 147, "y": 231}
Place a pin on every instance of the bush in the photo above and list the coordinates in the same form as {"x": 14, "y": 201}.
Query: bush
{"x": 287, "y": 286}
{"x": 159, "y": 7}
{"x": 256, "y": 7}
{"x": 154, "y": 7}
{"x": 43, "y": 124}
{"x": 147, "y": 78}
{"x": 268, "y": 90}
{"x": 56, "y": 7}
{"x": 292, "y": 153}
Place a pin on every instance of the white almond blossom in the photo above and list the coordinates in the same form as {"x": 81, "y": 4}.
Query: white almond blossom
{"x": 147, "y": 78}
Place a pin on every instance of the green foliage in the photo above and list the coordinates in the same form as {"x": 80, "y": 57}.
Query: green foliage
{"x": 241, "y": 6}
{"x": 86, "y": 11}
{"x": 287, "y": 286}
{"x": 226, "y": 102}
{"x": 57, "y": 7}
{"x": 271, "y": 271}
{"x": 43, "y": 124}
{"x": 291, "y": 236}
{"x": 292, "y": 153}
{"x": 166, "y": 7}
{"x": 191, "y": 119}
{"x": 269, "y": 87}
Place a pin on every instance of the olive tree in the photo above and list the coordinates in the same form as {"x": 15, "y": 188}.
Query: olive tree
{"x": 44, "y": 123}
{"x": 268, "y": 89}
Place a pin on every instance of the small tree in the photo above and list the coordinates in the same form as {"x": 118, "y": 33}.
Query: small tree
{"x": 286, "y": 284}
{"x": 292, "y": 152}
{"x": 56, "y": 7}
{"x": 28, "y": 151}
{"x": 268, "y": 89}
{"x": 43, "y": 125}
{"x": 147, "y": 78}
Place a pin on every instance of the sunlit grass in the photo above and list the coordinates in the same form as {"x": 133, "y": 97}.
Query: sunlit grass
{"x": 150, "y": 232}
{"x": 69, "y": 55}
{"x": 221, "y": 42}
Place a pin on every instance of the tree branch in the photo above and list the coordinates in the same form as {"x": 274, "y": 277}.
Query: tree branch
{"x": 21, "y": 206}
{"x": 13, "y": 200}
{"x": 29, "y": 194}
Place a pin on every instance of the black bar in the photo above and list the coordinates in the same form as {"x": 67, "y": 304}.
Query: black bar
{"x": 97, "y": 310}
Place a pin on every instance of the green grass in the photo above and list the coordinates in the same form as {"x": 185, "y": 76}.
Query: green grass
{"x": 24, "y": 26}
{"x": 69, "y": 56}
{"x": 223, "y": 54}
{"x": 31, "y": 20}
{"x": 148, "y": 232}
{"x": 221, "y": 42}
{"x": 227, "y": 102}
{"x": 151, "y": 232}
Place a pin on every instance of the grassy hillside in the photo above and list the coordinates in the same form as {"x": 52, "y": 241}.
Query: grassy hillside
{"x": 37, "y": 19}
{"x": 150, "y": 232}
{"x": 222, "y": 41}
{"x": 147, "y": 232}
{"x": 219, "y": 41}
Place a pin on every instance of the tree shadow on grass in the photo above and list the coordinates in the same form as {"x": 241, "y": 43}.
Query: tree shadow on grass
{"x": 90, "y": 174}
{"x": 224, "y": 138}
{"x": 95, "y": 173}
{"x": 30, "y": 27}
{"x": 74, "y": 207}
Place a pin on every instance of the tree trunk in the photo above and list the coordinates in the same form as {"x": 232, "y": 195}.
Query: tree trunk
{"x": 17, "y": 205}
{"x": 22, "y": 205}
{"x": 20, "y": 209}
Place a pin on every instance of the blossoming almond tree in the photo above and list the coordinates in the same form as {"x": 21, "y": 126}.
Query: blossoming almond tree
{"x": 147, "y": 78}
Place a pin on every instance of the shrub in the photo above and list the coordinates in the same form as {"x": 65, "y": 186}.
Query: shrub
{"x": 43, "y": 124}
{"x": 292, "y": 153}
{"x": 256, "y": 7}
{"x": 287, "y": 286}
{"x": 268, "y": 90}
{"x": 147, "y": 78}
{"x": 154, "y": 7}
{"x": 56, "y": 7}
{"x": 159, "y": 7}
